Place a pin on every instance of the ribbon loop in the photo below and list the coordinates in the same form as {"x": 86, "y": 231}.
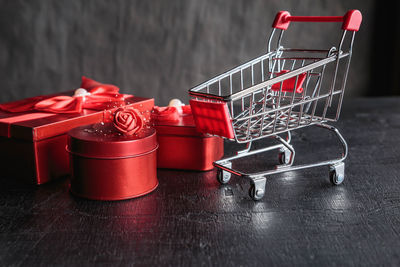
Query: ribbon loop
{"x": 61, "y": 104}
{"x": 98, "y": 96}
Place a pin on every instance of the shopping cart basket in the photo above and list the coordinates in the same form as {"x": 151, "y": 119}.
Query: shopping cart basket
{"x": 280, "y": 91}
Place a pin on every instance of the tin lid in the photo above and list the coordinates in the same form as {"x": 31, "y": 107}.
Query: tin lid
{"x": 104, "y": 141}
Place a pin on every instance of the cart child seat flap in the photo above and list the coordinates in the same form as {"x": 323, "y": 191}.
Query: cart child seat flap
{"x": 288, "y": 85}
{"x": 212, "y": 118}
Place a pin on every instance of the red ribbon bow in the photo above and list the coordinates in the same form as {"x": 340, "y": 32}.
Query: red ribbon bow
{"x": 97, "y": 96}
{"x": 169, "y": 114}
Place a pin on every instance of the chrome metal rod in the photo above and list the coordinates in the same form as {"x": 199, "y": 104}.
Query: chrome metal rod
{"x": 246, "y": 154}
{"x": 283, "y": 77}
{"x": 284, "y": 168}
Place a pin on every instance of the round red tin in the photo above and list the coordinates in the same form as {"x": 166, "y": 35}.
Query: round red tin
{"x": 107, "y": 165}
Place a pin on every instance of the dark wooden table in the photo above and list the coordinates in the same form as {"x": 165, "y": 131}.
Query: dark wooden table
{"x": 193, "y": 220}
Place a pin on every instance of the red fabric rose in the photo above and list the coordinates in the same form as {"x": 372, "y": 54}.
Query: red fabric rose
{"x": 128, "y": 120}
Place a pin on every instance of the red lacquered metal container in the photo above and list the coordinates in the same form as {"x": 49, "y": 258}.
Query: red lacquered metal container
{"x": 181, "y": 146}
{"x": 106, "y": 165}
{"x": 32, "y": 143}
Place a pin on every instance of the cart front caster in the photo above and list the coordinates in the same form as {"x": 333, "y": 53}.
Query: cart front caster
{"x": 257, "y": 189}
{"x": 223, "y": 177}
{"x": 336, "y": 173}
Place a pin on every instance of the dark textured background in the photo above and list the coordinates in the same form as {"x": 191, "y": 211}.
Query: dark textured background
{"x": 162, "y": 48}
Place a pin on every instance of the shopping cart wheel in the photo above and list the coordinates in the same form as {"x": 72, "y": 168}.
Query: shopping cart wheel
{"x": 336, "y": 173}
{"x": 284, "y": 156}
{"x": 257, "y": 189}
{"x": 223, "y": 176}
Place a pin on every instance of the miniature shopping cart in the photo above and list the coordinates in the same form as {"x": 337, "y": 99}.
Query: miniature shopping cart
{"x": 280, "y": 91}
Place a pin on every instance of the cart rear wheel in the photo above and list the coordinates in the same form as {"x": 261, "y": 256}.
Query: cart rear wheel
{"x": 255, "y": 194}
{"x": 335, "y": 178}
{"x": 284, "y": 156}
{"x": 336, "y": 173}
{"x": 223, "y": 176}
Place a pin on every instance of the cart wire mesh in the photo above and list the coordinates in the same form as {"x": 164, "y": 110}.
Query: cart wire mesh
{"x": 277, "y": 92}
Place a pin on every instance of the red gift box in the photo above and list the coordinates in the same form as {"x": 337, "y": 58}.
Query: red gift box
{"x": 181, "y": 146}
{"x": 107, "y": 165}
{"x": 33, "y": 142}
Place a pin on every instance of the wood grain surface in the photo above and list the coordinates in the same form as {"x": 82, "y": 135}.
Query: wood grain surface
{"x": 193, "y": 220}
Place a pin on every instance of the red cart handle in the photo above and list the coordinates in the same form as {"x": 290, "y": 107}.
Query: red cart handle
{"x": 351, "y": 20}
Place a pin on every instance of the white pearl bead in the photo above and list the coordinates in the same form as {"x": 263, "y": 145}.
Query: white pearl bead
{"x": 176, "y": 103}
{"x": 80, "y": 92}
